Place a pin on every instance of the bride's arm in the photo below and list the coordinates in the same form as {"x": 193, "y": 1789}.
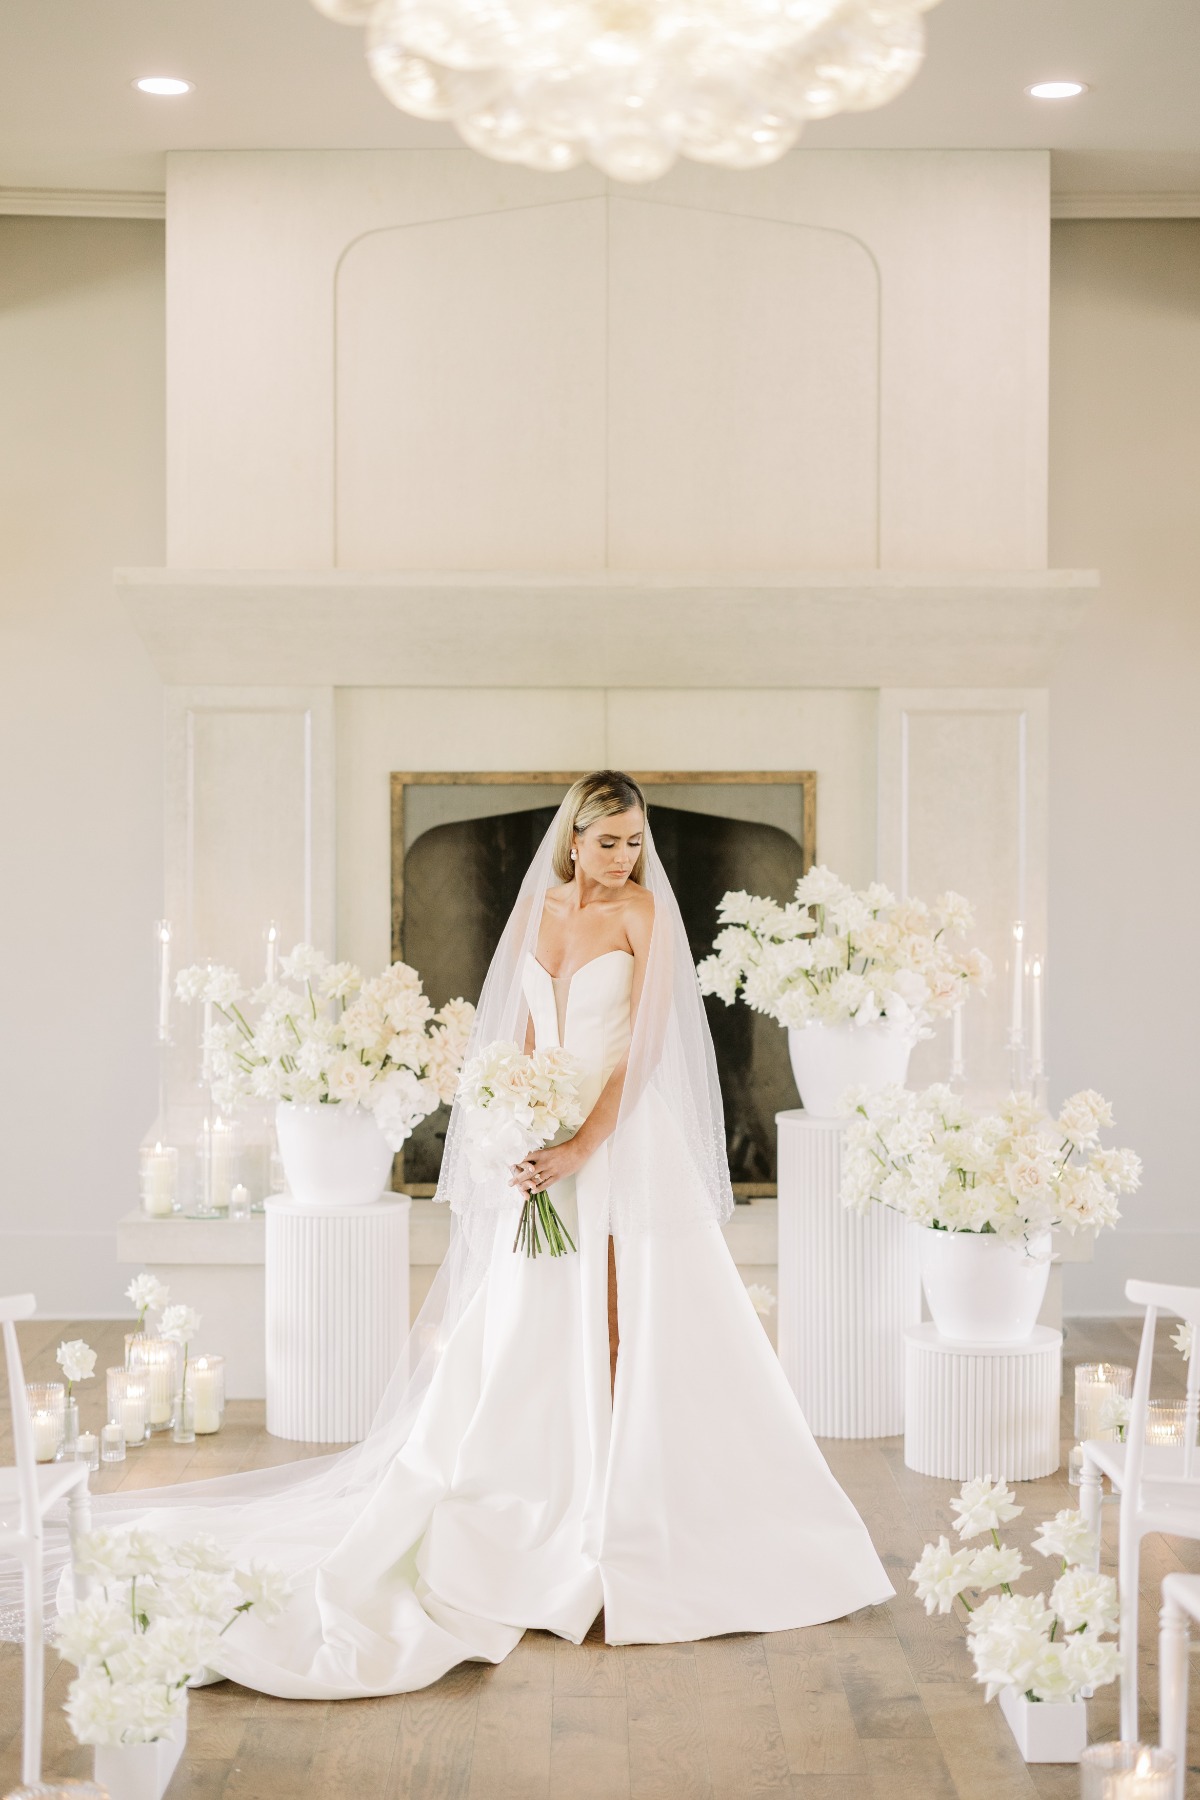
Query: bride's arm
{"x": 558, "y": 1161}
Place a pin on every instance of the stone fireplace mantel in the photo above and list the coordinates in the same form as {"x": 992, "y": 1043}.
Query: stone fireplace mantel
{"x": 823, "y": 629}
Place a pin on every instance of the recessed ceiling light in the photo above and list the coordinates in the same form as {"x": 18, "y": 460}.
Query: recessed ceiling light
{"x": 163, "y": 84}
{"x": 1056, "y": 90}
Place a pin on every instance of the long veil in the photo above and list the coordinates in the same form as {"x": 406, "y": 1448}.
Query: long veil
{"x": 667, "y": 1171}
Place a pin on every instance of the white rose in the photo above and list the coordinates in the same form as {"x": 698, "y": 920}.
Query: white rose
{"x": 940, "y": 1575}
{"x": 179, "y": 1323}
{"x": 1066, "y": 1535}
{"x": 995, "y": 1564}
{"x": 1083, "y": 1597}
{"x": 76, "y": 1359}
{"x": 983, "y": 1505}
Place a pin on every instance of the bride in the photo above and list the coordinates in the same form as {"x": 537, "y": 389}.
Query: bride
{"x": 521, "y": 1471}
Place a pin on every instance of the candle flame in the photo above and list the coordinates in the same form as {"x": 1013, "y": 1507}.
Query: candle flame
{"x": 1143, "y": 1763}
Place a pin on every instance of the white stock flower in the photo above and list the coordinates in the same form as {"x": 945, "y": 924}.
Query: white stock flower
{"x": 340, "y": 980}
{"x": 1066, "y": 1535}
{"x": 303, "y": 963}
{"x": 76, "y": 1359}
{"x": 265, "y": 1589}
{"x": 997, "y": 1563}
{"x": 202, "y": 1551}
{"x": 95, "y": 1711}
{"x": 99, "y": 1625}
{"x": 940, "y": 1574}
{"x": 348, "y": 1078}
{"x": 1083, "y": 1115}
{"x": 983, "y": 1505}
{"x": 819, "y": 887}
{"x": 179, "y": 1324}
{"x": 223, "y": 986}
{"x": 1083, "y": 1597}
{"x": 762, "y": 1298}
{"x": 148, "y": 1293}
{"x": 180, "y": 1646}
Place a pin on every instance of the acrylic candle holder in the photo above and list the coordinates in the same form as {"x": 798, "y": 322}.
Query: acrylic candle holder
{"x": 1095, "y": 1385}
{"x": 46, "y": 1400}
{"x": 1166, "y": 1422}
{"x": 206, "y": 1384}
{"x": 157, "y": 1361}
{"x": 1123, "y": 1771}
{"x": 112, "y": 1442}
{"x": 158, "y": 1179}
{"x": 128, "y": 1403}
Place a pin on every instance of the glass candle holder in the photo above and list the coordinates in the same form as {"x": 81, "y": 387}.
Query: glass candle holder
{"x": 158, "y": 1179}
{"x": 1095, "y": 1385}
{"x": 128, "y": 1403}
{"x": 157, "y": 1361}
{"x": 1166, "y": 1422}
{"x": 183, "y": 1409}
{"x": 1124, "y": 1771}
{"x": 239, "y": 1202}
{"x": 206, "y": 1381}
{"x": 46, "y": 1401}
{"x": 87, "y": 1449}
{"x": 70, "y": 1431}
{"x": 112, "y": 1442}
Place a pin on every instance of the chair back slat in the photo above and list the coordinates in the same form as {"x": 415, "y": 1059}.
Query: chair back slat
{"x": 1135, "y": 1437}
{"x": 1184, "y": 1302}
{"x": 1167, "y": 1296}
{"x": 20, "y": 1306}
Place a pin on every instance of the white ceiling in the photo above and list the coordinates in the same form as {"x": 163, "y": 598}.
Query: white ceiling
{"x": 275, "y": 74}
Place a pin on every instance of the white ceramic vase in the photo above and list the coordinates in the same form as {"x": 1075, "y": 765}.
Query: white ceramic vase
{"x": 981, "y": 1288}
{"x": 332, "y": 1155}
{"x": 140, "y": 1771}
{"x": 828, "y": 1059}
{"x": 1047, "y": 1731}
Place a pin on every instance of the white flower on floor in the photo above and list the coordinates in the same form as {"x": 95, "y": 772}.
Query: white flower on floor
{"x": 155, "y": 1622}
{"x": 1047, "y": 1652}
{"x": 1066, "y": 1535}
{"x": 179, "y": 1324}
{"x": 1081, "y": 1597}
{"x": 148, "y": 1294}
{"x": 941, "y": 1574}
{"x": 77, "y": 1361}
{"x": 762, "y": 1298}
{"x": 983, "y": 1505}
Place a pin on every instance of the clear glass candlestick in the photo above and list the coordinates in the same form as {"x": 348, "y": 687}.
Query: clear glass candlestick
{"x": 1125, "y": 1771}
{"x": 1096, "y": 1384}
{"x": 112, "y": 1443}
{"x": 128, "y": 1403}
{"x": 46, "y": 1401}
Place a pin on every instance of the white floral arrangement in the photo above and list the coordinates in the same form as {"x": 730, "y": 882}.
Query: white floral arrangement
{"x": 1014, "y": 1171}
{"x": 835, "y": 954}
{"x": 514, "y": 1104}
{"x": 323, "y": 1035}
{"x": 1045, "y": 1652}
{"x": 152, "y": 1620}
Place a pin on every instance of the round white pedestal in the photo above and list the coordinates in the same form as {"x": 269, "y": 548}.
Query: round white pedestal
{"x": 336, "y": 1314}
{"x": 982, "y": 1409}
{"x": 848, "y": 1285}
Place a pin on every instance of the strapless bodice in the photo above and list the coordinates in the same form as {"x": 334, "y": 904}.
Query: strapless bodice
{"x": 594, "y": 1007}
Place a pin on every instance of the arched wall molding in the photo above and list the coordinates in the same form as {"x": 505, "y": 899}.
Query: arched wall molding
{"x": 606, "y": 199}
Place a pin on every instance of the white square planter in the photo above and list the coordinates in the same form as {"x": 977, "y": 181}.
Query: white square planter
{"x": 141, "y": 1771}
{"x": 1047, "y": 1731}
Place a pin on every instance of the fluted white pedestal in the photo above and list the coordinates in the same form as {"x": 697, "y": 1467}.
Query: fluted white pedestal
{"x": 849, "y": 1283}
{"x": 336, "y": 1314}
{"x": 982, "y": 1409}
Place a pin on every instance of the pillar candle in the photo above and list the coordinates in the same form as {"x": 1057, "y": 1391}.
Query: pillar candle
{"x": 47, "y": 1430}
{"x": 205, "y": 1403}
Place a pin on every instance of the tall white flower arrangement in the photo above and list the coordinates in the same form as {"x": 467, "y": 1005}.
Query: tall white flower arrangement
{"x": 834, "y": 954}
{"x": 152, "y": 1620}
{"x": 1046, "y": 1652}
{"x": 324, "y": 1035}
{"x": 1013, "y": 1171}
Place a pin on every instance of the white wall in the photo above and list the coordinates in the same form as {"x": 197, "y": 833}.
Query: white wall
{"x": 81, "y": 488}
{"x": 1125, "y": 720}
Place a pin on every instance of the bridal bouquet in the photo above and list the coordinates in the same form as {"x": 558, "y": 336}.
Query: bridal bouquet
{"x": 834, "y": 954}
{"x": 1053, "y": 1652}
{"x": 152, "y": 1623}
{"x": 515, "y": 1104}
{"x": 1012, "y": 1172}
{"x": 323, "y": 1034}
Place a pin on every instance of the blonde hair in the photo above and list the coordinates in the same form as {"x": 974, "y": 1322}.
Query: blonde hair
{"x": 597, "y": 796}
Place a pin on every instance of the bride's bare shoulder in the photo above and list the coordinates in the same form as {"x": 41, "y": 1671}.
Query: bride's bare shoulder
{"x": 638, "y": 909}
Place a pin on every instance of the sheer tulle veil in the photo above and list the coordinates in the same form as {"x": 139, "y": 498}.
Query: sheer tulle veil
{"x": 667, "y": 1170}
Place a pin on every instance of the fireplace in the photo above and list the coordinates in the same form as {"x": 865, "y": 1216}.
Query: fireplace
{"x": 461, "y": 844}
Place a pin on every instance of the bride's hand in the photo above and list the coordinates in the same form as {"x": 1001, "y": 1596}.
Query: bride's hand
{"x": 544, "y": 1167}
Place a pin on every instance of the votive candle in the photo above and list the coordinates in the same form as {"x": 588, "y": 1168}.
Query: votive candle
{"x": 128, "y": 1393}
{"x": 159, "y": 1172}
{"x": 1125, "y": 1771}
{"x": 239, "y": 1202}
{"x": 112, "y": 1442}
{"x": 47, "y": 1431}
{"x": 1095, "y": 1385}
{"x": 206, "y": 1380}
{"x": 87, "y": 1449}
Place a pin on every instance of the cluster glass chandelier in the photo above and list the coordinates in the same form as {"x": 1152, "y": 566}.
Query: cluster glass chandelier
{"x": 632, "y": 84}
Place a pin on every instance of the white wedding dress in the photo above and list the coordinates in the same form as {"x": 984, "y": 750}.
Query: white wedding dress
{"x": 692, "y": 1502}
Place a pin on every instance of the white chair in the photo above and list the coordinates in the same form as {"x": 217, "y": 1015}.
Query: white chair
{"x": 1180, "y": 1604}
{"x": 1158, "y": 1485}
{"x": 27, "y": 1492}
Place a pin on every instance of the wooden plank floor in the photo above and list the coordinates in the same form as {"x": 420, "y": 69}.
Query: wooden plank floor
{"x": 878, "y": 1704}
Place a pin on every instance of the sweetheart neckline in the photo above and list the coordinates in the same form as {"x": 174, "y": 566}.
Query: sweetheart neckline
{"x": 538, "y": 963}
